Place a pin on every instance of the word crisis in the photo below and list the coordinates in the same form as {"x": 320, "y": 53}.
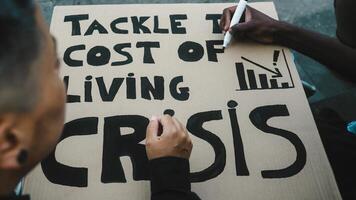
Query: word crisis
{"x": 116, "y": 145}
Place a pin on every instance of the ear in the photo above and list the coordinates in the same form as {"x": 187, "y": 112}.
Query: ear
{"x": 10, "y": 146}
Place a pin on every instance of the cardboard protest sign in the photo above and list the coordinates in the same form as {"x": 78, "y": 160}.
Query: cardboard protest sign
{"x": 253, "y": 133}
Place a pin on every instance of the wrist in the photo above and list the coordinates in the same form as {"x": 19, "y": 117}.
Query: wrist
{"x": 282, "y": 32}
{"x": 169, "y": 173}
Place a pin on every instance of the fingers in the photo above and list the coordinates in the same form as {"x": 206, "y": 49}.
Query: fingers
{"x": 174, "y": 140}
{"x": 225, "y": 21}
{"x": 171, "y": 127}
{"x": 182, "y": 130}
{"x": 168, "y": 125}
{"x": 228, "y": 13}
{"x": 152, "y": 128}
{"x": 226, "y": 18}
{"x": 179, "y": 125}
{"x": 248, "y": 13}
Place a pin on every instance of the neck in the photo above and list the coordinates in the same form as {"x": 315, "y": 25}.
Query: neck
{"x": 8, "y": 183}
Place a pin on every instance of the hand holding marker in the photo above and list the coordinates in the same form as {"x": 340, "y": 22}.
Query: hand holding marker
{"x": 235, "y": 20}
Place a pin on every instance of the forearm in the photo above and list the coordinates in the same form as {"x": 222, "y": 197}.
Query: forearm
{"x": 326, "y": 50}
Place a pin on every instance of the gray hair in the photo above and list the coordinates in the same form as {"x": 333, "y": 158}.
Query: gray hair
{"x": 19, "y": 50}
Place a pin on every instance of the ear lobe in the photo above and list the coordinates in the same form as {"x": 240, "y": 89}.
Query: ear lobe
{"x": 9, "y": 160}
{"x": 9, "y": 146}
{"x": 9, "y": 151}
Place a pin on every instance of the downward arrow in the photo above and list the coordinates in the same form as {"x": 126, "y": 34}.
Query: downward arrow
{"x": 276, "y": 73}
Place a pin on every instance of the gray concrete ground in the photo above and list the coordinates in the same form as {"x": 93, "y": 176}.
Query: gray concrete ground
{"x": 316, "y": 15}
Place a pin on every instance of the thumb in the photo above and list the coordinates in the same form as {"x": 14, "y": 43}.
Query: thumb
{"x": 152, "y": 128}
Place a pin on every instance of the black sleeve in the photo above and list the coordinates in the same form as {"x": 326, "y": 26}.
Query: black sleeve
{"x": 170, "y": 179}
{"x": 14, "y": 197}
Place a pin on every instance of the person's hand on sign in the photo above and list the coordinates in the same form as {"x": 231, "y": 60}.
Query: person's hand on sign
{"x": 257, "y": 26}
{"x": 262, "y": 28}
{"x": 168, "y": 148}
{"x": 174, "y": 141}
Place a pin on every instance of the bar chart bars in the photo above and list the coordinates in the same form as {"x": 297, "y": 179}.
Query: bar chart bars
{"x": 249, "y": 79}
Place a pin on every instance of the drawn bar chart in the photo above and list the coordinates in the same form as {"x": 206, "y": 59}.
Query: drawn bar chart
{"x": 248, "y": 79}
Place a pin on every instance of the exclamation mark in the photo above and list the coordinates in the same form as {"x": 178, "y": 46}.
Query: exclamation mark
{"x": 275, "y": 57}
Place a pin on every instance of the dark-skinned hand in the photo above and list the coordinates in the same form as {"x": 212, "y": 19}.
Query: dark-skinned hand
{"x": 256, "y": 26}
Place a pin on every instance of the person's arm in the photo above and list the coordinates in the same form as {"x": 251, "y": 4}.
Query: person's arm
{"x": 168, "y": 149}
{"x": 14, "y": 197}
{"x": 170, "y": 179}
{"x": 326, "y": 50}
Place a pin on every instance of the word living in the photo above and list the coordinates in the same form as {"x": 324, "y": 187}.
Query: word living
{"x": 150, "y": 90}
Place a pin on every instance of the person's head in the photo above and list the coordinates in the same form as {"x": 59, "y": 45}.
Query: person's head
{"x": 32, "y": 95}
{"x": 345, "y": 19}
